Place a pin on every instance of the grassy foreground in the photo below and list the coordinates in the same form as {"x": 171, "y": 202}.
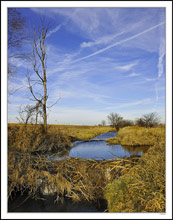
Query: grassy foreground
{"x": 128, "y": 184}
{"x": 142, "y": 189}
{"x": 29, "y": 169}
{"x": 75, "y": 178}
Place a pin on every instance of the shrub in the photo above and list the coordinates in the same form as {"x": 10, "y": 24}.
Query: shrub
{"x": 115, "y": 120}
{"x": 148, "y": 120}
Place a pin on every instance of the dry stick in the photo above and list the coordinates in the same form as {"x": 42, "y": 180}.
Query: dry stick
{"x": 23, "y": 201}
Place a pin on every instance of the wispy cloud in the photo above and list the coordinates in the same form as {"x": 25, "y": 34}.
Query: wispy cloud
{"x": 119, "y": 42}
{"x": 142, "y": 101}
{"x": 150, "y": 79}
{"x": 160, "y": 67}
{"x": 134, "y": 74}
{"x": 54, "y": 30}
{"x": 102, "y": 40}
{"x": 126, "y": 67}
{"x": 17, "y": 62}
{"x": 75, "y": 94}
{"x": 123, "y": 74}
{"x": 161, "y": 56}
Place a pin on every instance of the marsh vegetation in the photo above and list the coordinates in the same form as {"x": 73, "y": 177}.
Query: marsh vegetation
{"x": 129, "y": 184}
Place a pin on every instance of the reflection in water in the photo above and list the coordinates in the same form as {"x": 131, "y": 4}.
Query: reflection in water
{"x": 100, "y": 150}
{"x": 105, "y": 136}
{"x": 134, "y": 150}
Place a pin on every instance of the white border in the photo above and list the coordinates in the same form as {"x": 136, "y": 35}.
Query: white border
{"x": 4, "y": 5}
{"x": 66, "y": 4}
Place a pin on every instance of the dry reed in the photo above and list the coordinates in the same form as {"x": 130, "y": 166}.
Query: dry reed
{"x": 75, "y": 178}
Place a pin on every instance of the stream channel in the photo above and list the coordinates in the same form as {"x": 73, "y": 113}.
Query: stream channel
{"x": 96, "y": 149}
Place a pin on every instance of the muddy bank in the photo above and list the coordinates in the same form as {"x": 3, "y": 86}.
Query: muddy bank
{"x": 23, "y": 203}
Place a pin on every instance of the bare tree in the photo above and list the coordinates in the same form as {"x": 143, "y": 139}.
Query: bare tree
{"x": 39, "y": 67}
{"x": 148, "y": 120}
{"x": 16, "y": 25}
{"x": 126, "y": 122}
{"x": 39, "y": 63}
{"x": 103, "y": 123}
{"x": 30, "y": 113}
{"x": 37, "y": 82}
{"x": 140, "y": 122}
{"x": 115, "y": 120}
{"x": 16, "y": 37}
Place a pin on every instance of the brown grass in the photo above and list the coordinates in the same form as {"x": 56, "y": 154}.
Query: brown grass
{"x": 75, "y": 178}
{"x": 32, "y": 139}
{"x": 129, "y": 184}
{"x": 77, "y": 132}
{"x": 137, "y": 136}
{"x": 142, "y": 189}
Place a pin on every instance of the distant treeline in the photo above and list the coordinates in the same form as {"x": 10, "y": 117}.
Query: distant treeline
{"x": 117, "y": 121}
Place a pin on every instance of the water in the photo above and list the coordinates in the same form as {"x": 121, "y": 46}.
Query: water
{"x": 98, "y": 149}
{"x": 105, "y": 136}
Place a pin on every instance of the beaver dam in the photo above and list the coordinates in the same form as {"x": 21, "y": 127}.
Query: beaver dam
{"x": 75, "y": 178}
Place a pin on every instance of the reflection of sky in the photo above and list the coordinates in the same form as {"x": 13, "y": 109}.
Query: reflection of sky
{"x": 100, "y": 150}
{"x": 105, "y": 136}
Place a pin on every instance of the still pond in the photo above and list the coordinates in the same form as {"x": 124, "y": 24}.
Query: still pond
{"x": 98, "y": 149}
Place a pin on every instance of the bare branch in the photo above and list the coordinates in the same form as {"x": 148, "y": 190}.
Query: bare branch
{"x": 54, "y": 103}
{"x": 31, "y": 89}
{"x": 12, "y": 93}
{"x": 115, "y": 120}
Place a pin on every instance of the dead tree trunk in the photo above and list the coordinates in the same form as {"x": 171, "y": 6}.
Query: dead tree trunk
{"x": 39, "y": 66}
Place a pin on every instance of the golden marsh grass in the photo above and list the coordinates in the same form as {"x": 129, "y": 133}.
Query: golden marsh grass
{"x": 137, "y": 136}
{"x": 75, "y": 178}
{"x": 142, "y": 189}
{"x": 130, "y": 184}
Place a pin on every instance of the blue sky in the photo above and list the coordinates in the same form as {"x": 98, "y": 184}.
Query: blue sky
{"x": 99, "y": 60}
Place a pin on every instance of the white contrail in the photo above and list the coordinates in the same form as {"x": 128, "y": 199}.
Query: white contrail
{"x": 118, "y": 43}
{"x": 161, "y": 56}
{"x": 160, "y": 66}
{"x": 101, "y": 40}
{"x": 54, "y": 30}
